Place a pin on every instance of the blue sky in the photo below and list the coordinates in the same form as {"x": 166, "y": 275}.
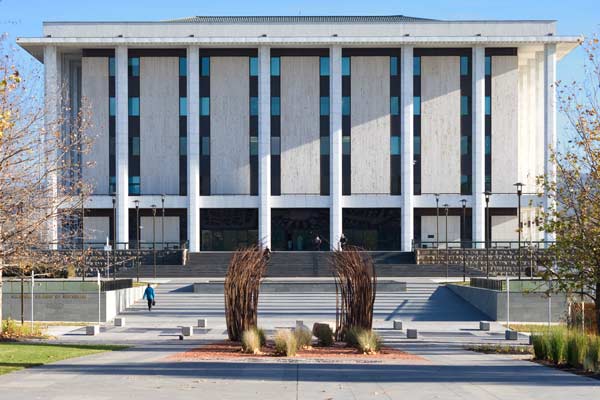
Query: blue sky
{"x": 25, "y": 17}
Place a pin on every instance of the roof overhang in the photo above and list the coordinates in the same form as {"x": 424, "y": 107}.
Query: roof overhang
{"x": 35, "y": 45}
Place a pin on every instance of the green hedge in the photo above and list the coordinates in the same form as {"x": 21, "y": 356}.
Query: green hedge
{"x": 562, "y": 346}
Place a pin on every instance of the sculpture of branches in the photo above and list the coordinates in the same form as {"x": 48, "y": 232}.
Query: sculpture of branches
{"x": 356, "y": 288}
{"x": 242, "y": 283}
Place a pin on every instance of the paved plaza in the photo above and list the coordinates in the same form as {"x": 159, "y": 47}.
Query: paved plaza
{"x": 445, "y": 322}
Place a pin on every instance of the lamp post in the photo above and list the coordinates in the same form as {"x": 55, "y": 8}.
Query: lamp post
{"x": 437, "y": 228}
{"x": 137, "y": 236}
{"x": 519, "y": 187}
{"x": 114, "y": 248}
{"x": 487, "y": 226}
{"x": 82, "y": 237}
{"x": 154, "y": 237}
{"x": 162, "y": 223}
{"x": 446, "y": 238}
{"x": 462, "y": 238}
{"x": 437, "y": 217}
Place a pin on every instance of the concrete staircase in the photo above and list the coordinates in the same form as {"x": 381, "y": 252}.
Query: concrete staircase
{"x": 299, "y": 264}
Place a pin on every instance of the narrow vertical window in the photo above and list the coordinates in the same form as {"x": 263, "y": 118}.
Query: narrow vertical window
{"x": 275, "y": 66}
{"x": 345, "y": 66}
{"x": 324, "y": 66}
{"x": 346, "y": 105}
{"x": 205, "y": 106}
{"x": 395, "y": 145}
{"x": 182, "y": 106}
{"x": 253, "y": 66}
{"x": 205, "y": 66}
{"x": 394, "y": 66}
{"x": 394, "y": 106}
{"x": 276, "y": 106}
{"x": 417, "y": 105}
{"x": 464, "y": 65}
{"x": 464, "y": 105}
{"x": 417, "y": 66}
{"x": 324, "y": 106}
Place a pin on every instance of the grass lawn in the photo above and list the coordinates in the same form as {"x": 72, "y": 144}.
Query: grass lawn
{"x": 16, "y": 356}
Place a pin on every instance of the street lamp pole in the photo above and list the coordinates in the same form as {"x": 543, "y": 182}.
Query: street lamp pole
{"x": 154, "y": 237}
{"x": 437, "y": 228}
{"x": 162, "y": 223}
{"x": 82, "y": 237}
{"x": 114, "y": 248}
{"x": 462, "y": 238}
{"x": 487, "y": 228}
{"x": 519, "y": 187}
{"x": 446, "y": 238}
{"x": 137, "y": 236}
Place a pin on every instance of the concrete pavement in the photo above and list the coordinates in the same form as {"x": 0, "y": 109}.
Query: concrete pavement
{"x": 448, "y": 372}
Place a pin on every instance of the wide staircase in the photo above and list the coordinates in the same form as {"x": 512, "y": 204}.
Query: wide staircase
{"x": 299, "y": 264}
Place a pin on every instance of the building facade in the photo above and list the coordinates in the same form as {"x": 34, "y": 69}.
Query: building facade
{"x": 280, "y": 129}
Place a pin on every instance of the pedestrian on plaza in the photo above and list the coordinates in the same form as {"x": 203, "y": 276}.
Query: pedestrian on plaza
{"x": 149, "y": 295}
{"x": 318, "y": 243}
{"x": 343, "y": 241}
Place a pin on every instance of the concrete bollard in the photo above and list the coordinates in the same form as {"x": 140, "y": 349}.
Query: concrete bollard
{"x": 412, "y": 334}
{"x": 119, "y": 321}
{"x": 299, "y": 324}
{"x": 484, "y": 326}
{"x": 187, "y": 330}
{"x": 397, "y": 325}
{"x": 92, "y": 330}
{"x": 202, "y": 323}
{"x": 511, "y": 335}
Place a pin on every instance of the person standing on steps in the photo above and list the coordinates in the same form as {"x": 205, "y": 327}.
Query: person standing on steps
{"x": 149, "y": 295}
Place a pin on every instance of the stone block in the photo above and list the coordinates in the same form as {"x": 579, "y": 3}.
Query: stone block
{"x": 397, "y": 325}
{"x": 484, "y": 326}
{"x": 187, "y": 330}
{"x": 299, "y": 324}
{"x": 119, "y": 321}
{"x": 511, "y": 335}
{"x": 92, "y": 330}
{"x": 412, "y": 334}
{"x": 202, "y": 323}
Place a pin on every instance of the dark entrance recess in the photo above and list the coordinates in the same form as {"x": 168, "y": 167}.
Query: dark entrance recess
{"x": 295, "y": 229}
{"x": 372, "y": 228}
{"x": 227, "y": 229}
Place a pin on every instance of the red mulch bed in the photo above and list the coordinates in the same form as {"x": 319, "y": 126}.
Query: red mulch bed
{"x": 232, "y": 350}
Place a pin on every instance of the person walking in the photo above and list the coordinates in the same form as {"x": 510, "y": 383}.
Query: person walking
{"x": 149, "y": 295}
{"x": 318, "y": 243}
{"x": 343, "y": 241}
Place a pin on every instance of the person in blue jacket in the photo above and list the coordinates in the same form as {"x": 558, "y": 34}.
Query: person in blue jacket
{"x": 149, "y": 295}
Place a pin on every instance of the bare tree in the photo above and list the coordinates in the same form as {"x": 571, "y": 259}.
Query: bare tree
{"x": 40, "y": 180}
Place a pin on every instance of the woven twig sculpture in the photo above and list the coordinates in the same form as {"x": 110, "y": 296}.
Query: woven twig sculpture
{"x": 356, "y": 288}
{"x": 242, "y": 283}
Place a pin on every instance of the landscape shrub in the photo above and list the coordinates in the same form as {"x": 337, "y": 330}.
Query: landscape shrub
{"x": 12, "y": 329}
{"x": 251, "y": 341}
{"x": 303, "y": 337}
{"x": 368, "y": 342}
{"x": 351, "y": 336}
{"x": 558, "y": 345}
{"x": 577, "y": 344}
{"x": 261, "y": 336}
{"x": 591, "y": 360}
{"x": 323, "y": 333}
{"x": 541, "y": 346}
{"x": 285, "y": 343}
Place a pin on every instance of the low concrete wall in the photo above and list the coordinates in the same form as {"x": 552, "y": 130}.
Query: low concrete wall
{"x": 524, "y": 307}
{"x": 212, "y": 286}
{"x": 70, "y": 306}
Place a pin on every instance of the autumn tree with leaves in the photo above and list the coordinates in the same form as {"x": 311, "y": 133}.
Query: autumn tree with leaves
{"x": 40, "y": 180}
{"x": 574, "y": 212}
